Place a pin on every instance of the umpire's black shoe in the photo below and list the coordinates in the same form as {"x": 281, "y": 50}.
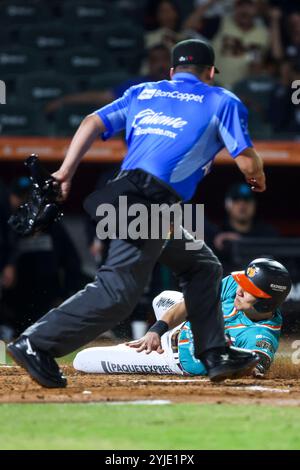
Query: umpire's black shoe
{"x": 39, "y": 365}
{"x": 228, "y": 363}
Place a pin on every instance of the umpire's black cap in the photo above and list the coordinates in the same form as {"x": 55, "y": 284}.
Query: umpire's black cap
{"x": 193, "y": 52}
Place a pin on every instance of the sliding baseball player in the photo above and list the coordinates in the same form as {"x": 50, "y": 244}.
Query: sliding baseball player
{"x": 252, "y": 318}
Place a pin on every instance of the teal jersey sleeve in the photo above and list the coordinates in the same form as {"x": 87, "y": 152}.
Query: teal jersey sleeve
{"x": 263, "y": 337}
{"x": 228, "y": 292}
{"x": 259, "y": 340}
{"x": 229, "y": 287}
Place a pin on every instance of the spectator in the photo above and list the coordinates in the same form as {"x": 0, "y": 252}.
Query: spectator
{"x": 240, "y": 205}
{"x": 284, "y": 115}
{"x": 255, "y": 91}
{"x": 157, "y": 68}
{"x": 165, "y": 18}
{"x": 206, "y": 17}
{"x": 239, "y": 41}
{"x": 290, "y": 48}
{"x": 45, "y": 267}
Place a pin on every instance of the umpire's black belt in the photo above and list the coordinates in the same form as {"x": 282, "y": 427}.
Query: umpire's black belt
{"x": 138, "y": 185}
{"x": 144, "y": 180}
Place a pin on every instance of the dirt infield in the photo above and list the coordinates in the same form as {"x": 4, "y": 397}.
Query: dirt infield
{"x": 282, "y": 387}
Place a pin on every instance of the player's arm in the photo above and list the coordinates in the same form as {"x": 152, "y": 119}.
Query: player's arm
{"x": 251, "y": 165}
{"x": 266, "y": 346}
{"x": 89, "y": 130}
{"x": 233, "y": 131}
{"x": 264, "y": 343}
{"x": 86, "y": 97}
{"x": 107, "y": 121}
{"x": 173, "y": 317}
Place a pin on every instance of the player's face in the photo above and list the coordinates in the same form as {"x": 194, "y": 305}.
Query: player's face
{"x": 167, "y": 15}
{"x": 244, "y": 300}
{"x": 241, "y": 210}
{"x": 244, "y": 15}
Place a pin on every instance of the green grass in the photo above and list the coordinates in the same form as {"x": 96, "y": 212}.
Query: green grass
{"x": 100, "y": 426}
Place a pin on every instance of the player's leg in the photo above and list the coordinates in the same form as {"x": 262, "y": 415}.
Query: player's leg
{"x": 102, "y": 304}
{"x": 122, "y": 359}
{"x": 200, "y": 275}
{"x": 163, "y": 301}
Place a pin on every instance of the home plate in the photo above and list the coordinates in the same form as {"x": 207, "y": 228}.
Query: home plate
{"x": 166, "y": 381}
{"x": 259, "y": 388}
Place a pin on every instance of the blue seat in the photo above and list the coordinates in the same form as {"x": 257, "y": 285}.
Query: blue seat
{"x": 19, "y": 60}
{"x": 108, "y": 80}
{"x": 91, "y": 12}
{"x": 20, "y": 120}
{"x": 68, "y": 118}
{"x": 255, "y": 92}
{"x": 23, "y": 12}
{"x": 39, "y": 88}
{"x": 48, "y": 37}
{"x": 6, "y": 36}
{"x": 124, "y": 42}
{"x": 83, "y": 61}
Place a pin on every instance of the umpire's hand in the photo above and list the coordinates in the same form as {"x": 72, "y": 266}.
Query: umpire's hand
{"x": 150, "y": 342}
{"x": 64, "y": 180}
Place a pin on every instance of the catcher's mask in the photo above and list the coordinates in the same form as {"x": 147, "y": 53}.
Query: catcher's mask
{"x": 267, "y": 280}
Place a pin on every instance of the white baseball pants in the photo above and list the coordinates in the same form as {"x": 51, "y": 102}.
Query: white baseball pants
{"x": 122, "y": 359}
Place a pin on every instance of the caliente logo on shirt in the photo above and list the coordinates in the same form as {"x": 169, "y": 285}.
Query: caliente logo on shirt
{"x": 148, "y": 117}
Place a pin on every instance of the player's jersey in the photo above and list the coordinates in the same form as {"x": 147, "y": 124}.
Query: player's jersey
{"x": 175, "y": 128}
{"x": 261, "y": 336}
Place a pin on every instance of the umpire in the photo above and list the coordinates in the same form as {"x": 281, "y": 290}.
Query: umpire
{"x": 174, "y": 129}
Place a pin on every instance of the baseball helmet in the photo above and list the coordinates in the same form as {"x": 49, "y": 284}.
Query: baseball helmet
{"x": 267, "y": 280}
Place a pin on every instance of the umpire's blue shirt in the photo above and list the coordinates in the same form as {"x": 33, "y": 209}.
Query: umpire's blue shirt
{"x": 174, "y": 129}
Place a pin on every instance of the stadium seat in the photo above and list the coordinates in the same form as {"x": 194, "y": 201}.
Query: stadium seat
{"x": 123, "y": 41}
{"x": 23, "y": 12}
{"x": 68, "y": 118}
{"x": 259, "y": 128}
{"x": 5, "y": 36}
{"x": 83, "y": 61}
{"x": 108, "y": 80}
{"x": 47, "y": 37}
{"x": 20, "y": 60}
{"x": 11, "y": 87}
{"x": 132, "y": 10}
{"x": 20, "y": 120}
{"x": 91, "y": 12}
{"x": 39, "y": 88}
{"x": 255, "y": 90}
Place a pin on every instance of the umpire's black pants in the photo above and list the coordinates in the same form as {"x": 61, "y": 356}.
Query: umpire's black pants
{"x": 120, "y": 282}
